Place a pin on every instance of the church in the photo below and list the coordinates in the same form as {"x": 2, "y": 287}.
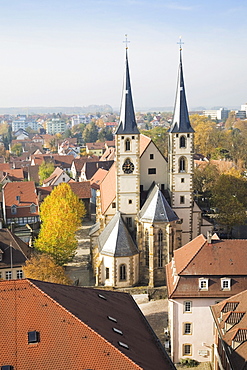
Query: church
{"x": 145, "y": 207}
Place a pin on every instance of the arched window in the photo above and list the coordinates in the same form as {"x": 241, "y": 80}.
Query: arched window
{"x": 182, "y": 164}
{"x": 160, "y": 248}
{"x": 127, "y": 145}
{"x": 182, "y": 142}
{"x": 13, "y": 209}
{"x": 146, "y": 247}
{"x": 122, "y": 272}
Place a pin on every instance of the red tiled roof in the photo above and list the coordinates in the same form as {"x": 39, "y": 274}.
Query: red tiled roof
{"x": 108, "y": 189}
{"x": 74, "y": 328}
{"x": 16, "y": 174}
{"x": 236, "y": 330}
{"x": 27, "y": 196}
{"x": 144, "y": 142}
{"x": 97, "y": 178}
{"x": 214, "y": 260}
{"x": 81, "y": 189}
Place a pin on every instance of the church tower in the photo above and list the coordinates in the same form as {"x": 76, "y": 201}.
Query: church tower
{"x": 181, "y": 166}
{"x": 127, "y": 157}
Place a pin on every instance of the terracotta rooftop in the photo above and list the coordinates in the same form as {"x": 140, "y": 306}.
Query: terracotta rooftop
{"x": 75, "y": 328}
{"x": 97, "y": 178}
{"x": 108, "y": 189}
{"x": 213, "y": 260}
{"x": 81, "y": 189}
{"x": 232, "y": 328}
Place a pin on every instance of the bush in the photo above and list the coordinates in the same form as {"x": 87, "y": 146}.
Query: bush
{"x": 188, "y": 362}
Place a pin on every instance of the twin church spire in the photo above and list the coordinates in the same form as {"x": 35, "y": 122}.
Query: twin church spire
{"x": 180, "y": 123}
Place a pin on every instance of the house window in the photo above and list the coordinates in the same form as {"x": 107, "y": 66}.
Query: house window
{"x": 182, "y": 142}
{"x": 33, "y": 337}
{"x": 130, "y": 201}
{"x": 7, "y": 367}
{"x": 8, "y": 275}
{"x": 225, "y": 283}
{"x": 181, "y": 199}
{"x": 133, "y": 137}
{"x": 182, "y": 163}
{"x": 32, "y": 208}
{"x": 152, "y": 171}
{"x": 187, "y": 306}
{"x": 182, "y": 179}
{"x": 160, "y": 249}
{"x": 113, "y": 205}
{"x": 203, "y": 284}
{"x": 187, "y": 349}
{"x": 151, "y": 156}
{"x": 122, "y": 272}
{"x": 129, "y": 221}
{"x": 127, "y": 145}
{"x": 187, "y": 328}
{"x": 19, "y": 274}
{"x": 13, "y": 209}
{"x": 107, "y": 273}
{"x": 146, "y": 247}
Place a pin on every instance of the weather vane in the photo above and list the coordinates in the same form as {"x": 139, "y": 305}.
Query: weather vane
{"x": 180, "y": 42}
{"x": 126, "y": 41}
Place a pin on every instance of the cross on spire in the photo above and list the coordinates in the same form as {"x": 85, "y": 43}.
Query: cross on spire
{"x": 126, "y": 41}
{"x": 180, "y": 42}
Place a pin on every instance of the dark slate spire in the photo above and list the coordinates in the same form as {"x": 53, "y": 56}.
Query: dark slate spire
{"x": 181, "y": 122}
{"x": 127, "y": 123}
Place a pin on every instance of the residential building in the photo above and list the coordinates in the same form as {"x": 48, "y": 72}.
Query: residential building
{"x": 55, "y": 126}
{"x": 57, "y": 177}
{"x": 201, "y": 273}
{"x": 13, "y": 255}
{"x": 46, "y": 325}
{"x": 20, "y": 203}
{"x": 230, "y": 342}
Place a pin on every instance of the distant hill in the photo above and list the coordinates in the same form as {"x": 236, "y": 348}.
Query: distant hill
{"x": 67, "y": 110}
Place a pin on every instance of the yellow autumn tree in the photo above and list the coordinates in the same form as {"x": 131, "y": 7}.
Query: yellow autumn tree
{"x": 43, "y": 267}
{"x": 61, "y": 214}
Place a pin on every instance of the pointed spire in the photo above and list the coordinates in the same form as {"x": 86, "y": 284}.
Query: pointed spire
{"x": 127, "y": 123}
{"x": 181, "y": 121}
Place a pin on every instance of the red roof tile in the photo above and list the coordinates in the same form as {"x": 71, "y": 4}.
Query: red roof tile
{"x": 74, "y": 328}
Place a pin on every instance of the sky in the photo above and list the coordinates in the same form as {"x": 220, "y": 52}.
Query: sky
{"x": 71, "y": 52}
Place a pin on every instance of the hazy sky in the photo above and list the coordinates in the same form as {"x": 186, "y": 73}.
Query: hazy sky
{"x": 71, "y": 52}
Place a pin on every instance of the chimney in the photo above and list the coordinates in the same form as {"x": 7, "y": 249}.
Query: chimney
{"x": 209, "y": 237}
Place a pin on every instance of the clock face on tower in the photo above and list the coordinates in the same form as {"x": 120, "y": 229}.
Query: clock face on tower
{"x": 128, "y": 166}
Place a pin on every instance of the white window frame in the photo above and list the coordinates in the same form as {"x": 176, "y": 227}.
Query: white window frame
{"x": 8, "y": 275}
{"x": 186, "y": 304}
{"x": 19, "y": 274}
{"x": 203, "y": 284}
{"x": 226, "y": 281}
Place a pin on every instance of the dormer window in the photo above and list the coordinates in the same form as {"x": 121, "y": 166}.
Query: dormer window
{"x": 32, "y": 208}
{"x": 225, "y": 283}
{"x": 203, "y": 284}
{"x": 13, "y": 209}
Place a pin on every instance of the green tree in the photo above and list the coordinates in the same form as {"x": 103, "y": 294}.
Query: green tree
{"x": 90, "y": 134}
{"x": 159, "y": 136}
{"x": 61, "y": 214}
{"x": 105, "y": 134}
{"x": 16, "y": 149}
{"x": 204, "y": 180}
{"x": 45, "y": 170}
{"x": 230, "y": 200}
{"x": 43, "y": 267}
